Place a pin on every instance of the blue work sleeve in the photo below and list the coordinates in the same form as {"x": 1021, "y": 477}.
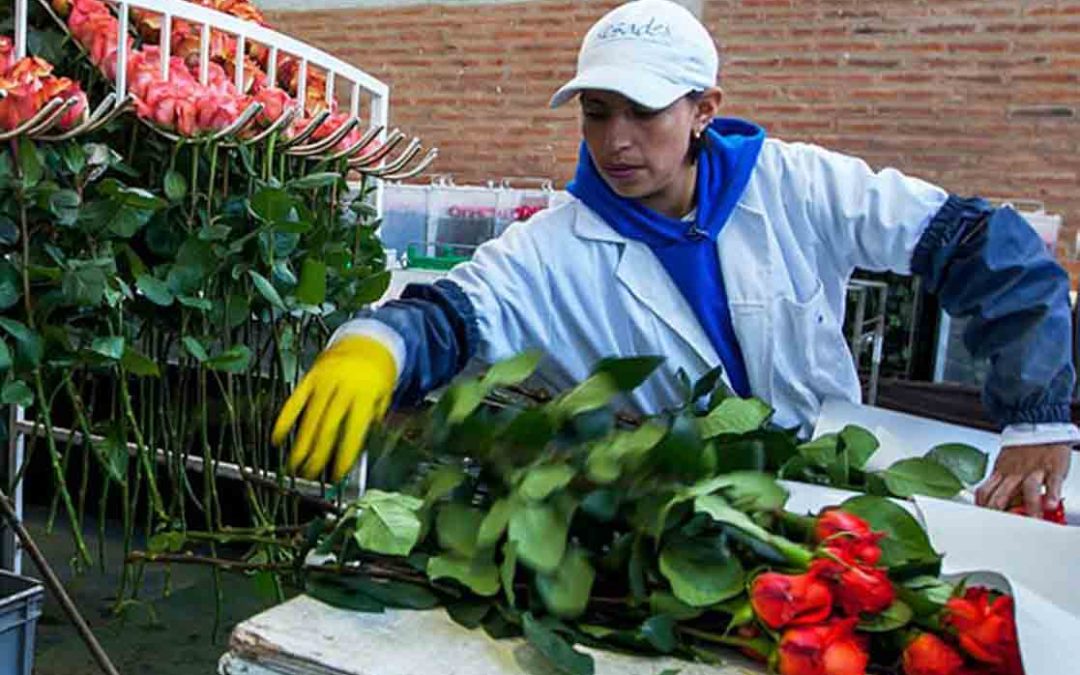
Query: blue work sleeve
{"x": 988, "y": 265}
{"x": 438, "y": 325}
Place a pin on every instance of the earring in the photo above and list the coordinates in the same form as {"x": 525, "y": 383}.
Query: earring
{"x": 697, "y": 134}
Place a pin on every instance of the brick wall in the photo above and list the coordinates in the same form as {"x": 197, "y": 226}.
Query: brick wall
{"x": 980, "y": 96}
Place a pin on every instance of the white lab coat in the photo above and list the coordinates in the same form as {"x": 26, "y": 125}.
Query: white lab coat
{"x": 567, "y": 283}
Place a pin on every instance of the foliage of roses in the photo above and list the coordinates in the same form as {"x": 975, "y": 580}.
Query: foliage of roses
{"x": 554, "y": 522}
{"x": 161, "y": 297}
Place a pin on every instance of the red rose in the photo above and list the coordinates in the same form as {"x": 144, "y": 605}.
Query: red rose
{"x": 831, "y": 649}
{"x": 986, "y": 628}
{"x": 858, "y": 589}
{"x": 863, "y": 590}
{"x": 849, "y": 536}
{"x": 930, "y": 655}
{"x": 788, "y": 600}
{"x": 1054, "y": 515}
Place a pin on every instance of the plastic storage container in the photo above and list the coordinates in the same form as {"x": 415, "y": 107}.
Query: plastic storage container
{"x": 20, "y": 607}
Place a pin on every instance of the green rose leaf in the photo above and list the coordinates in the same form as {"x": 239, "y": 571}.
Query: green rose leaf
{"x": 10, "y": 285}
{"x": 195, "y": 303}
{"x": 735, "y": 416}
{"x": 17, "y": 393}
{"x": 926, "y": 595}
{"x": 111, "y": 347}
{"x": 139, "y": 364}
{"x": 566, "y": 592}
{"x": 235, "y": 359}
{"x": 175, "y": 184}
{"x": 64, "y": 204}
{"x": 387, "y": 522}
{"x": 539, "y": 532}
{"x": 312, "y": 287}
{"x": 195, "y": 348}
{"x": 508, "y": 571}
{"x": 626, "y": 449}
{"x": 112, "y": 452}
{"x": 700, "y": 573}
{"x": 313, "y": 181}
{"x": 897, "y": 615}
{"x": 859, "y": 444}
{"x": 479, "y": 576}
{"x": 372, "y": 287}
{"x": 662, "y": 602}
{"x": 514, "y": 370}
{"x": 166, "y": 542}
{"x": 594, "y": 393}
{"x": 334, "y": 591}
{"x": 495, "y": 522}
{"x": 921, "y": 476}
{"x": 905, "y": 542}
{"x": 965, "y": 462}
{"x": 457, "y": 527}
{"x": 821, "y": 451}
{"x": 541, "y": 481}
{"x": 5, "y": 357}
{"x": 28, "y": 345}
{"x": 442, "y": 482}
{"x": 558, "y": 652}
{"x": 271, "y": 205}
{"x": 659, "y": 631}
{"x": 266, "y": 289}
{"x": 155, "y": 290}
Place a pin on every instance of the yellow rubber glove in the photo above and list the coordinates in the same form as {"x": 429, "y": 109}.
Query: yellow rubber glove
{"x": 351, "y": 382}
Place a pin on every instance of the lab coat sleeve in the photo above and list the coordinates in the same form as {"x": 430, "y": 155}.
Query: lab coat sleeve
{"x": 990, "y": 266}
{"x": 987, "y": 265}
{"x": 864, "y": 218}
{"x": 431, "y": 332}
{"x": 492, "y": 307}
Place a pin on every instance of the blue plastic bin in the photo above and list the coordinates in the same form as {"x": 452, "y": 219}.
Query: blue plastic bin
{"x": 20, "y": 607}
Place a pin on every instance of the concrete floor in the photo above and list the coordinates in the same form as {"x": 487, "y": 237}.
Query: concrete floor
{"x": 160, "y": 635}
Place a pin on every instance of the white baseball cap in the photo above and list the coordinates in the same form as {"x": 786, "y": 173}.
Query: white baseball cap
{"x": 650, "y": 51}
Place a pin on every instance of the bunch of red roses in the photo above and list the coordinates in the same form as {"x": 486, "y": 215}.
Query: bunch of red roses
{"x": 816, "y": 615}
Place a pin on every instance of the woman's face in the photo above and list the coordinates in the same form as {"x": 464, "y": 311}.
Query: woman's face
{"x": 641, "y": 153}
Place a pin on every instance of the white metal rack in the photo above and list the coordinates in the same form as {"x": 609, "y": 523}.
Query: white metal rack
{"x": 367, "y": 97}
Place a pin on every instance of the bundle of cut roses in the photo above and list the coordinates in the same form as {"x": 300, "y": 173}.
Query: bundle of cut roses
{"x": 558, "y": 522}
{"x": 183, "y": 104}
{"x": 816, "y": 615}
{"x": 27, "y": 85}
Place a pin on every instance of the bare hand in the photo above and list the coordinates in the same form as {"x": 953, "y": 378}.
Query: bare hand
{"x": 1026, "y": 470}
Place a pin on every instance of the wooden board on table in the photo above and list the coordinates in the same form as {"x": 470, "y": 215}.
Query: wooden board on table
{"x": 306, "y": 637}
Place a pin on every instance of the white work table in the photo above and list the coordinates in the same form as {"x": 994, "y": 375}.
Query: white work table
{"x": 306, "y": 637}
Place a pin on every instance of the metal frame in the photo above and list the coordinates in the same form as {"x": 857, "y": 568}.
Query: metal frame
{"x": 361, "y": 86}
{"x": 861, "y": 289}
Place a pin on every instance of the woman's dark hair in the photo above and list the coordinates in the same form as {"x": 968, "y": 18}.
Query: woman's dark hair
{"x": 699, "y": 143}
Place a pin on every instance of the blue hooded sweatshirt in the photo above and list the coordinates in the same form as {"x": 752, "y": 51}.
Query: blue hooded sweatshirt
{"x": 687, "y": 249}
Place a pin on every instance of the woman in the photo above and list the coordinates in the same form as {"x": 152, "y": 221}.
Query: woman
{"x": 701, "y": 240}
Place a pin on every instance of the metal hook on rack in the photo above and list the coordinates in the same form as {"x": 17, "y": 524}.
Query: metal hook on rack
{"x": 49, "y": 111}
{"x": 284, "y": 119}
{"x": 330, "y": 141}
{"x": 416, "y": 170}
{"x": 107, "y": 111}
{"x": 307, "y": 131}
{"x": 411, "y": 150}
{"x": 241, "y": 122}
{"x": 356, "y": 148}
{"x": 364, "y": 161}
